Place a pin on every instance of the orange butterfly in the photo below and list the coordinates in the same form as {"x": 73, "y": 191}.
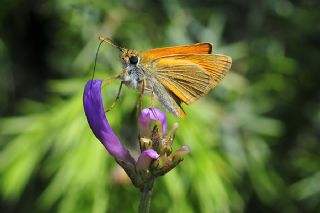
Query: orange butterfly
{"x": 173, "y": 74}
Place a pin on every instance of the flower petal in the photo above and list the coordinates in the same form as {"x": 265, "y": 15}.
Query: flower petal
{"x": 155, "y": 114}
{"x": 145, "y": 159}
{"x": 93, "y": 107}
{"x": 180, "y": 153}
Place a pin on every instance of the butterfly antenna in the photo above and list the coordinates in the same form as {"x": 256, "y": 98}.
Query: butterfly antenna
{"x": 95, "y": 62}
{"x": 109, "y": 41}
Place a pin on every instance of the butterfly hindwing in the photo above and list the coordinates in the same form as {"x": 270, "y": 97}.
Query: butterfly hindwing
{"x": 191, "y": 76}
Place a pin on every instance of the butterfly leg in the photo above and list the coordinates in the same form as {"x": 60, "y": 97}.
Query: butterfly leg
{"x": 107, "y": 80}
{"x": 139, "y": 101}
{"x": 153, "y": 104}
{"x": 116, "y": 99}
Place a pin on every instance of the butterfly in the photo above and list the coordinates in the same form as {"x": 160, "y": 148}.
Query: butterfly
{"x": 175, "y": 75}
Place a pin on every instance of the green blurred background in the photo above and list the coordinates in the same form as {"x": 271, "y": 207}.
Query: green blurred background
{"x": 254, "y": 139}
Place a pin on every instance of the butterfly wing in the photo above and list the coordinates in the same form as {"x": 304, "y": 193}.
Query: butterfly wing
{"x": 191, "y": 76}
{"x": 167, "y": 99}
{"x": 198, "y": 48}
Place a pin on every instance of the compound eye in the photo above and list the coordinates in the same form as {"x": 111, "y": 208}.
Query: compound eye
{"x": 134, "y": 59}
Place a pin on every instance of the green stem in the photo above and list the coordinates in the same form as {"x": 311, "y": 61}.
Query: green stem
{"x": 145, "y": 197}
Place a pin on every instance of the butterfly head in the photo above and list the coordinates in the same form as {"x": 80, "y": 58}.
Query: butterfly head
{"x": 132, "y": 73}
{"x": 129, "y": 58}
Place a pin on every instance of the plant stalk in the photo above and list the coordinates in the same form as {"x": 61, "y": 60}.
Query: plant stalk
{"x": 145, "y": 197}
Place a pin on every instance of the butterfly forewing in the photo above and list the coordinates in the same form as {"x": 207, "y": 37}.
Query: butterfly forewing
{"x": 199, "y": 48}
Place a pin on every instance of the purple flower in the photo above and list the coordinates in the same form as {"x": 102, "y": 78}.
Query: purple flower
{"x": 156, "y": 156}
{"x": 149, "y": 114}
{"x": 180, "y": 153}
{"x": 93, "y": 107}
{"x": 145, "y": 159}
